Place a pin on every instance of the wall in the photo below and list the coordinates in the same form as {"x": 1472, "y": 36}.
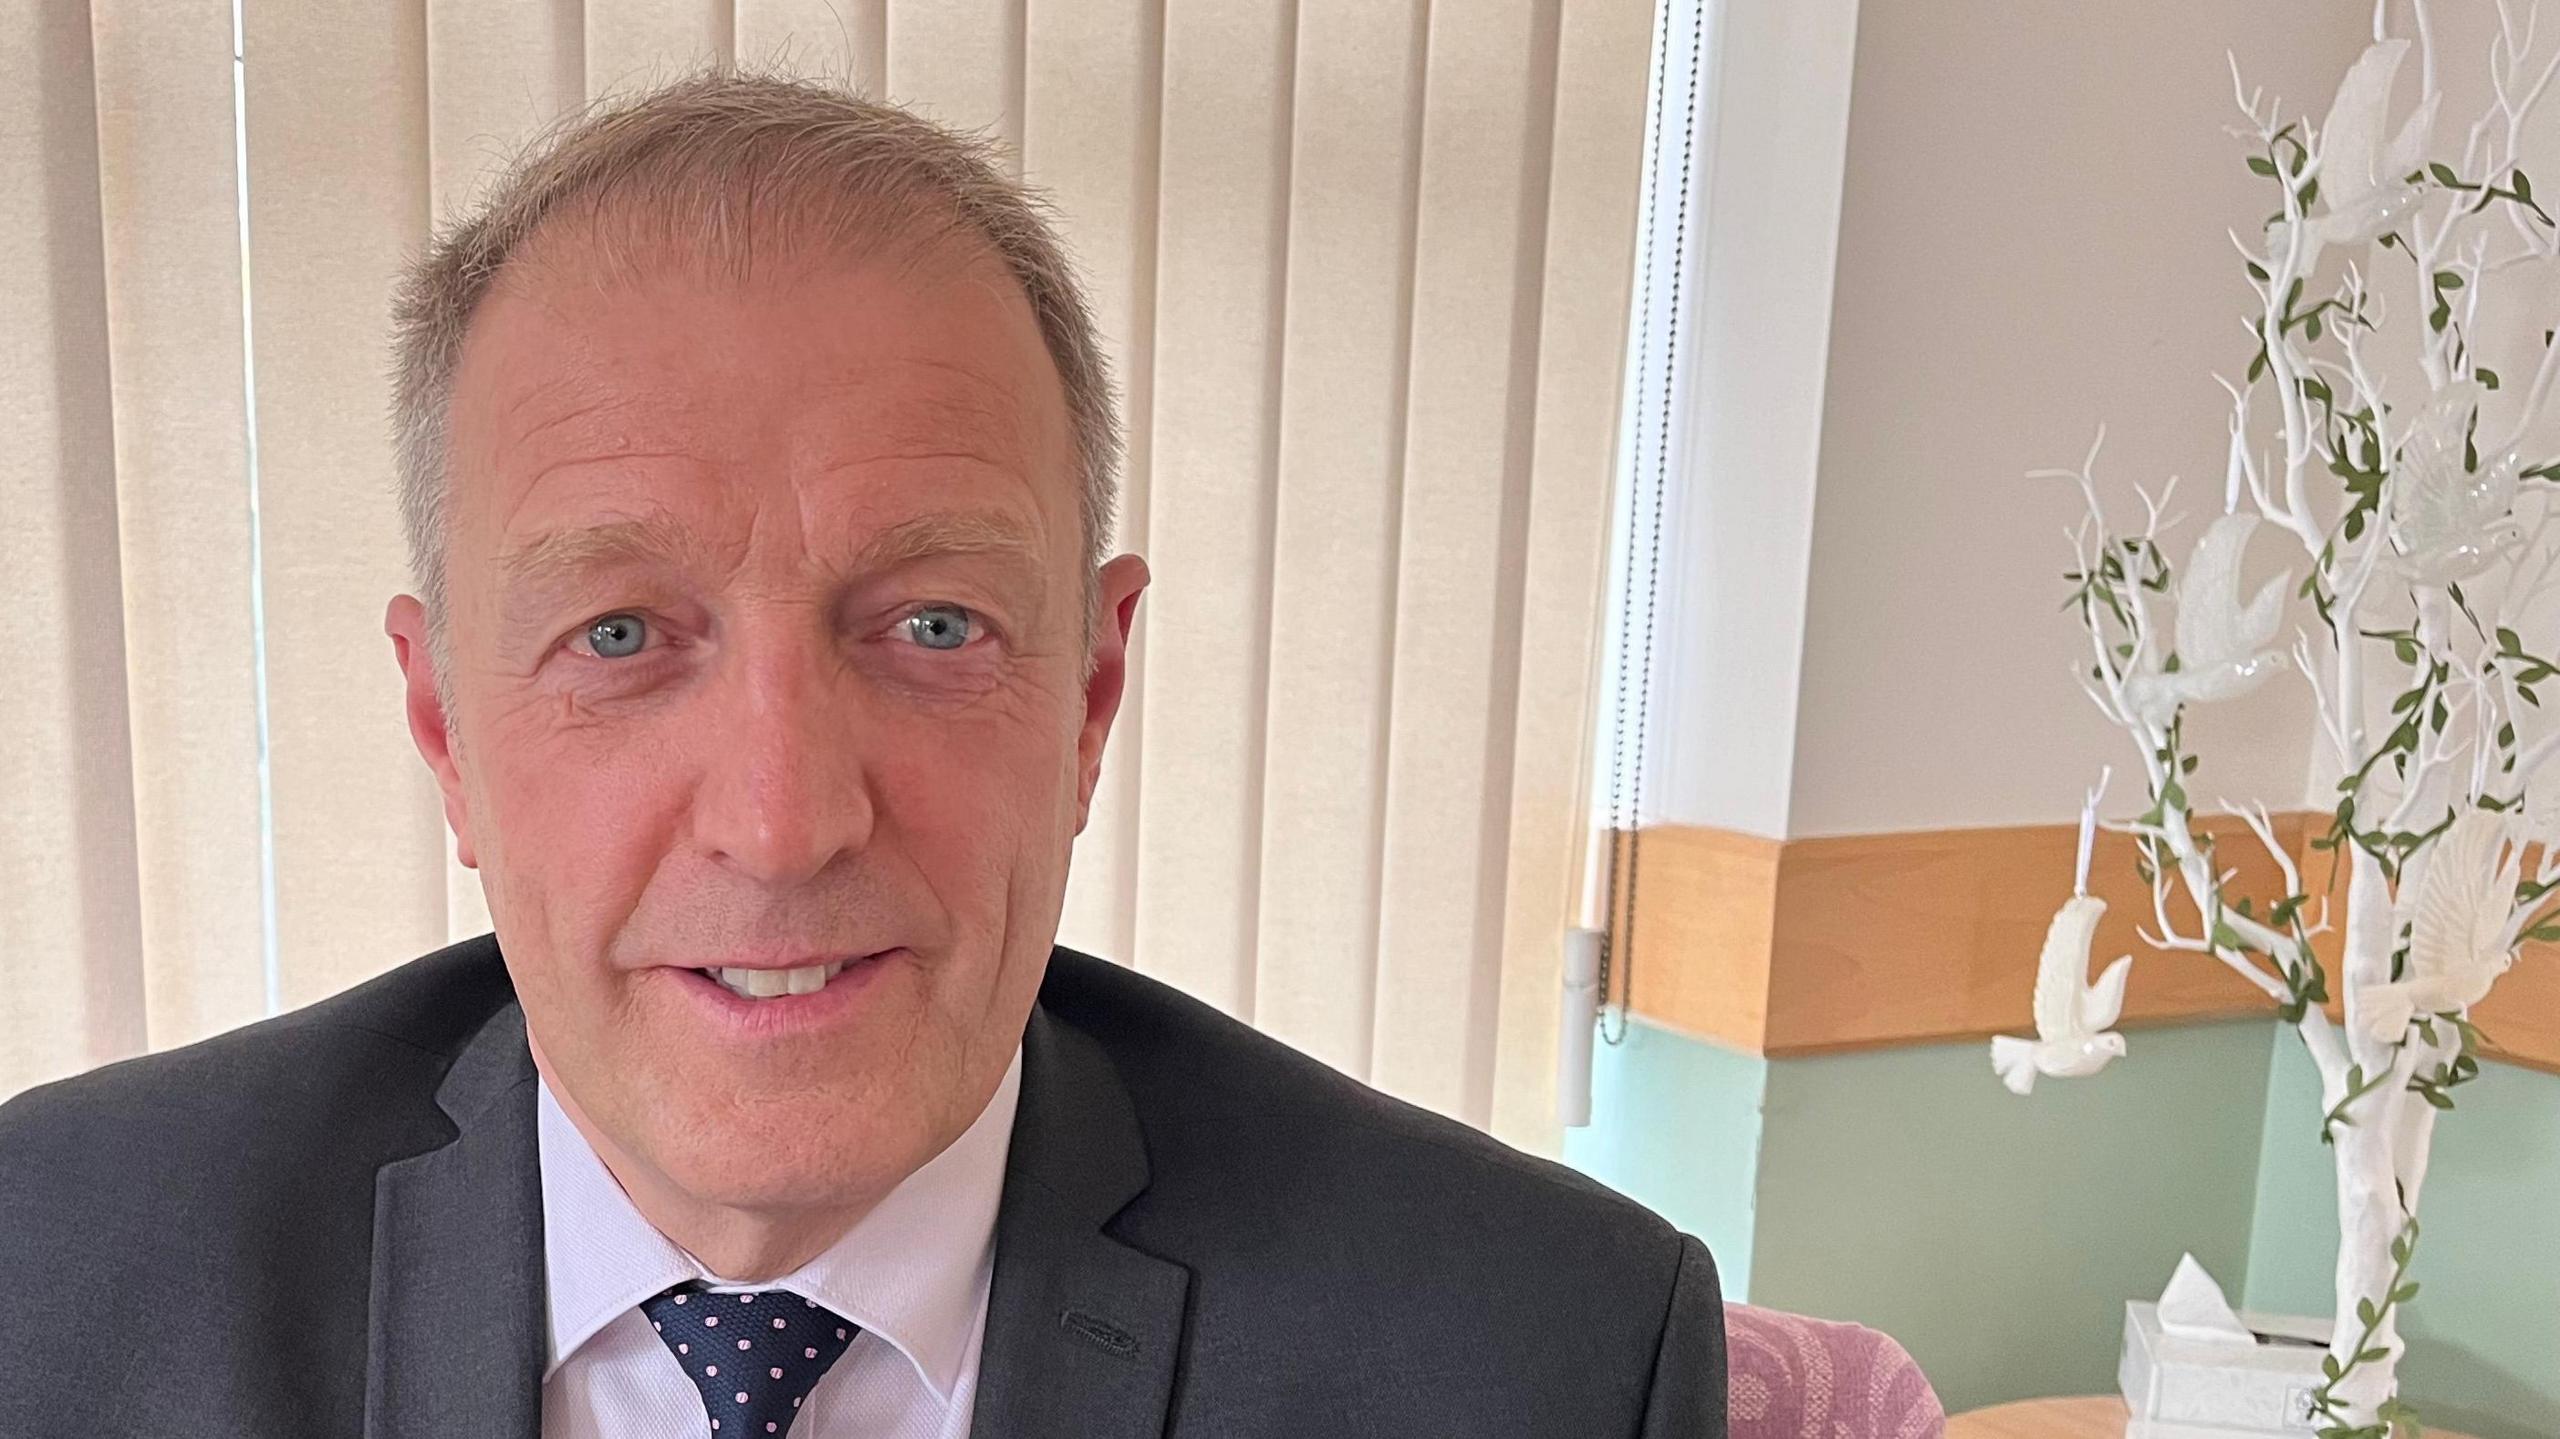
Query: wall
{"x": 2031, "y": 242}
{"x": 2031, "y": 207}
{"x": 2484, "y": 1332}
{"x": 1996, "y": 1238}
{"x": 1681, "y": 1132}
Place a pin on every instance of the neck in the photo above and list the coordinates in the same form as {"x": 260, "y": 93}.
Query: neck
{"x": 738, "y": 1244}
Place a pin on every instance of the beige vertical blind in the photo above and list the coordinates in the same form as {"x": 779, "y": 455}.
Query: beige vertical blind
{"x": 1363, "y": 268}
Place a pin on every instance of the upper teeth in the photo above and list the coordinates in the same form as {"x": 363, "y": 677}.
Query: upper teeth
{"x": 768, "y": 983}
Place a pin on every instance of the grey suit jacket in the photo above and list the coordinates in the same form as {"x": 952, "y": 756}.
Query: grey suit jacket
{"x": 331, "y": 1224}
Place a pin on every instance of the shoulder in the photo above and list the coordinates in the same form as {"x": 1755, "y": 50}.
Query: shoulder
{"x": 1268, "y": 1157}
{"x": 288, "y": 1102}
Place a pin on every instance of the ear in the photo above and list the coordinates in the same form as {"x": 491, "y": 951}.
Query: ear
{"x": 430, "y": 728}
{"x": 1116, "y": 591}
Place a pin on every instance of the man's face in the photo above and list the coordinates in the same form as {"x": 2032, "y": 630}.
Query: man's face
{"x": 767, "y": 648}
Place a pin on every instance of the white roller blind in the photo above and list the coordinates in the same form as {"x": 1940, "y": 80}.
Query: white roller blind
{"x": 1362, "y": 269}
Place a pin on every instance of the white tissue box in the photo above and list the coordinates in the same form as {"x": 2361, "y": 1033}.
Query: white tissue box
{"x": 2188, "y": 1389}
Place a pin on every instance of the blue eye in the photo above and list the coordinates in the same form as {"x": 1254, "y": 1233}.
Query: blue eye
{"x": 618, "y": 636}
{"x": 941, "y": 627}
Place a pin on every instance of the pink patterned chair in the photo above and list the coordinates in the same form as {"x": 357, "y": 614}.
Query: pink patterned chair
{"x": 1798, "y": 1378}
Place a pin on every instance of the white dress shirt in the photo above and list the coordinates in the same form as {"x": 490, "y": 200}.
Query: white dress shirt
{"x": 913, "y": 1273}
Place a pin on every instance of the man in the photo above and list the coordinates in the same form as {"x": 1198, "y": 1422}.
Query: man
{"x": 757, "y": 459}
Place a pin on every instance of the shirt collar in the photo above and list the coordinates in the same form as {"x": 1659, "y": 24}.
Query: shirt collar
{"x": 913, "y": 1271}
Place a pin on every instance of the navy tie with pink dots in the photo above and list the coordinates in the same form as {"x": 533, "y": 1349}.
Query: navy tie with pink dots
{"x": 753, "y": 1356}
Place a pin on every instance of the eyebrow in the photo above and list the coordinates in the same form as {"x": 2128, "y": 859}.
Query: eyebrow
{"x": 562, "y": 555}
{"x": 566, "y": 554}
{"x": 936, "y": 536}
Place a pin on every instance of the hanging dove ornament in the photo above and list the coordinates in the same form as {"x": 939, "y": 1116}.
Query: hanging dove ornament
{"x": 2456, "y": 917}
{"x": 2073, "y": 1017}
{"x": 2452, "y": 511}
{"x": 2225, "y": 648}
{"x": 2365, "y": 189}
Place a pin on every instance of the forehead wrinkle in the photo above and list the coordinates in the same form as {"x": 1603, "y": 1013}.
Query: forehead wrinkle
{"x": 977, "y": 420}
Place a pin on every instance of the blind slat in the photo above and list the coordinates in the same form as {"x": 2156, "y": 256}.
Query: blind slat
{"x": 1220, "y": 254}
{"x": 1457, "y": 613}
{"x": 337, "y": 144}
{"x": 170, "y": 205}
{"x": 70, "y": 923}
{"x": 1089, "y": 142}
{"x": 501, "y": 69}
{"x": 1597, "y": 150}
{"x": 841, "y": 40}
{"x": 1341, "y": 438}
{"x": 960, "y": 62}
{"x": 634, "y": 44}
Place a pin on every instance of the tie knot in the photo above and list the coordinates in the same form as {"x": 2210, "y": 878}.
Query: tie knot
{"x": 755, "y": 1357}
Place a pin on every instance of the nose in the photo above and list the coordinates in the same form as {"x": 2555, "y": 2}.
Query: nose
{"x": 784, "y": 792}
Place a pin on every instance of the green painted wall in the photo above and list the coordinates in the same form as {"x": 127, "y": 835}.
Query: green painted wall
{"x": 1676, "y": 1125}
{"x": 1998, "y": 1237}
{"x": 2484, "y": 1332}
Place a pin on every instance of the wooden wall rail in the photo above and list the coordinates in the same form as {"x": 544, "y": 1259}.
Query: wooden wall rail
{"x": 1811, "y": 946}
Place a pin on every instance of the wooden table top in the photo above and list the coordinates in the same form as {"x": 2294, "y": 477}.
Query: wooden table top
{"x": 2098, "y": 1417}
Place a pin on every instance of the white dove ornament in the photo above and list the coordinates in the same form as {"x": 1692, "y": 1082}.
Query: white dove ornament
{"x": 2457, "y": 922}
{"x": 2073, "y": 1017}
{"x": 2365, "y": 190}
{"x": 2448, "y": 522}
{"x": 2225, "y": 648}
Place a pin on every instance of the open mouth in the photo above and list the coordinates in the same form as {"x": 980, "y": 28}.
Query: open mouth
{"x": 775, "y": 983}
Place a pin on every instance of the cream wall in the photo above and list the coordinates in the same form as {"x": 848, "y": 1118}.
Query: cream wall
{"x": 2029, "y": 204}
{"x": 2032, "y": 242}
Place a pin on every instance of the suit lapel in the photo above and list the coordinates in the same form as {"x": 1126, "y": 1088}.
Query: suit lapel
{"x": 1083, "y": 1331}
{"x": 457, "y": 1340}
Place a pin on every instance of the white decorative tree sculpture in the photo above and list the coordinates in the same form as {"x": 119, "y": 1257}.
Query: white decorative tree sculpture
{"x": 2412, "y": 483}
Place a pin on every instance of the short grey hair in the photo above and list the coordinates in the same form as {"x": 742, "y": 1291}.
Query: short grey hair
{"x": 704, "y": 163}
